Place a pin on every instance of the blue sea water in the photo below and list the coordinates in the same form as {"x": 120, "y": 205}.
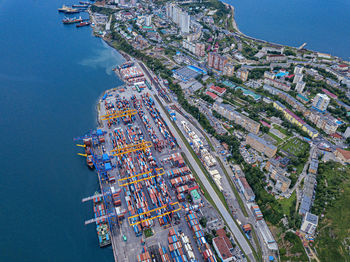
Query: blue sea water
{"x": 323, "y": 25}
{"x": 51, "y": 76}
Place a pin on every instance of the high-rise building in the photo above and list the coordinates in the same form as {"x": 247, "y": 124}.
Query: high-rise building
{"x": 229, "y": 69}
{"x": 242, "y": 74}
{"x": 200, "y": 49}
{"x": 321, "y": 102}
{"x": 184, "y": 22}
{"x": 217, "y": 61}
{"x": 300, "y": 87}
{"x": 148, "y": 20}
{"x": 298, "y": 69}
{"x": 297, "y": 78}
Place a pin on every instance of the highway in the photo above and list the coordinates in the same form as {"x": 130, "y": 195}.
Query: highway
{"x": 225, "y": 214}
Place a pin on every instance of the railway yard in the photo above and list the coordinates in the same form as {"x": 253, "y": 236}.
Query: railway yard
{"x": 150, "y": 205}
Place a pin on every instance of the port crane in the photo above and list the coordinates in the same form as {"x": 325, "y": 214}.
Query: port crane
{"x": 121, "y": 150}
{"x": 169, "y": 209}
{"x": 121, "y": 113}
{"x": 94, "y": 135}
{"x": 156, "y": 172}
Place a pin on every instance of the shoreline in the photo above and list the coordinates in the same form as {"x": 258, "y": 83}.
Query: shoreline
{"x": 236, "y": 28}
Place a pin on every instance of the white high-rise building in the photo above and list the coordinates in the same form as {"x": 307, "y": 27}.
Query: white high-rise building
{"x": 300, "y": 87}
{"x": 148, "y": 20}
{"x": 298, "y": 69}
{"x": 321, "y": 102}
{"x": 297, "y": 78}
{"x": 184, "y": 22}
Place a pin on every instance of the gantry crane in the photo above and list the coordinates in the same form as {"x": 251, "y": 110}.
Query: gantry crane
{"x": 156, "y": 172}
{"x": 121, "y": 150}
{"x": 121, "y": 113}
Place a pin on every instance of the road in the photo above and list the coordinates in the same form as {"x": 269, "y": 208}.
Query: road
{"x": 225, "y": 214}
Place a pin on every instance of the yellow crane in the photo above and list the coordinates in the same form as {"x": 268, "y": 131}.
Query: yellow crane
{"x": 120, "y": 113}
{"x": 142, "y": 179}
{"x": 121, "y": 150}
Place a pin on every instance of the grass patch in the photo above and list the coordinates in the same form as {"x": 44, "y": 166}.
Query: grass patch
{"x": 279, "y": 140}
{"x": 148, "y": 232}
{"x": 282, "y": 130}
{"x": 291, "y": 248}
{"x": 287, "y": 203}
{"x": 332, "y": 199}
{"x": 234, "y": 189}
{"x": 255, "y": 238}
{"x": 296, "y": 147}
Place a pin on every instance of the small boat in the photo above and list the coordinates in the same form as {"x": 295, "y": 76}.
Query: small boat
{"x": 81, "y": 24}
{"x": 84, "y": 3}
{"x": 73, "y": 20}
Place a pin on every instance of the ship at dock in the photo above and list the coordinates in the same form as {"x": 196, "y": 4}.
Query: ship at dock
{"x": 102, "y": 228}
{"x": 81, "y": 24}
{"x": 73, "y": 20}
{"x": 68, "y": 10}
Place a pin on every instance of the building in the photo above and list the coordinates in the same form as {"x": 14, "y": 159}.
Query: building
{"x": 321, "y": 102}
{"x": 269, "y": 75}
{"x": 297, "y": 78}
{"x": 242, "y": 74}
{"x": 229, "y": 69}
{"x": 313, "y": 166}
{"x": 343, "y": 155}
{"x": 261, "y": 145}
{"x": 278, "y": 84}
{"x": 190, "y": 46}
{"x": 228, "y": 111}
{"x": 148, "y": 20}
{"x": 184, "y": 22}
{"x": 300, "y": 87}
{"x": 308, "y": 194}
{"x": 282, "y": 183}
{"x": 222, "y": 249}
{"x": 196, "y": 198}
{"x": 216, "y": 61}
{"x": 218, "y": 90}
{"x": 200, "y": 49}
{"x": 298, "y": 69}
{"x": 347, "y": 132}
{"x": 179, "y": 17}
{"x": 309, "y": 223}
{"x": 276, "y": 58}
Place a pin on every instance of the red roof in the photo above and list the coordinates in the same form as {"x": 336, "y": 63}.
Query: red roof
{"x": 212, "y": 95}
{"x": 222, "y": 233}
{"x": 290, "y": 76}
{"x": 336, "y": 135}
{"x": 345, "y": 153}
{"x": 218, "y": 89}
{"x": 343, "y": 65}
{"x": 223, "y": 250}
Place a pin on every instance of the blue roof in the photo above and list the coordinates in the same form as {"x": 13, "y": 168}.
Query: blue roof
{"x": 99, "y": 132}
{"x": 108, "y": 166}
{"x": 105, "y": 157}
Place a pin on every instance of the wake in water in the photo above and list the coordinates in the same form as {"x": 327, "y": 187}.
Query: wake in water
{"x": 107, "y": 58}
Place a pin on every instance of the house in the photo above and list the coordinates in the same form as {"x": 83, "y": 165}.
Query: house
{"x": 218, "y": 90}
{"x": 343, "y": 155}
{"x": 212, "y": 95}
{"x": 222, "y": 249}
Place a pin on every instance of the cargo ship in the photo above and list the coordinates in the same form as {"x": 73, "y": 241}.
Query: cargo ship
{"x": 73, "y": 20}
{"x": 89, "y": 161}
{"x": 72, "y": 11}
{"x": 104, "y": 237}
{"x": 81, "y": 24}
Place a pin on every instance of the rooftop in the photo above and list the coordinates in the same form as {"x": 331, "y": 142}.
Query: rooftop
{"x": 222, "y": 248}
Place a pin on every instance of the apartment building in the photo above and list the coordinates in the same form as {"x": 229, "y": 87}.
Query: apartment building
{"x": 261, "y": 145}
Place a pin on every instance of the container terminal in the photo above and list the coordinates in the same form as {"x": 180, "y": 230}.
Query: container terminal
{"x": 149, "y": 206}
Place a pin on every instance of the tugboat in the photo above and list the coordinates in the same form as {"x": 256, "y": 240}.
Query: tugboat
{"x": 103, "y": 233}
{"x": 81, "y": 24}
{"x": 73, "y": 20}
{"x": 89, "y": 161}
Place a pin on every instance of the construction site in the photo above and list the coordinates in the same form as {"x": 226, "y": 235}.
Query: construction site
{"x": 149, "y": 206}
